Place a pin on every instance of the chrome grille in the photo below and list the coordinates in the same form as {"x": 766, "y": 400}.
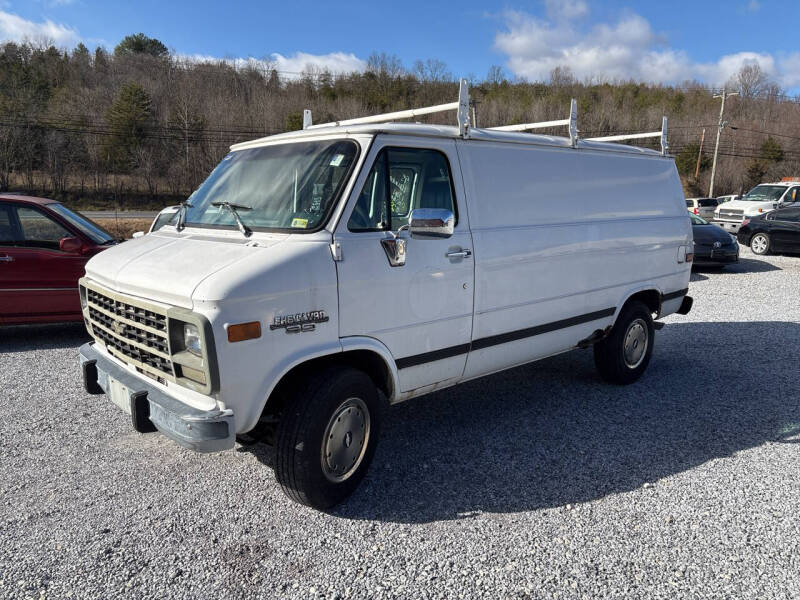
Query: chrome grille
{"x": 135, "y": 333}
{"x": 731, "y": 214}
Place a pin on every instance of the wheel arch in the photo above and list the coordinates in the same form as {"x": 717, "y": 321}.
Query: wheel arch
{"x": 365, "y": 354}
{"x": 649, "y": 296}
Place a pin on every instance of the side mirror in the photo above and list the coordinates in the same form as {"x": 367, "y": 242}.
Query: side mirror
{"x": 431, "y": 223}
{"x": 137, "y": 234}
{"x": 72, "y": 245}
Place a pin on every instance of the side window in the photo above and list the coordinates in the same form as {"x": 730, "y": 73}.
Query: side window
{"x": 791, "y": 195}
{"x": 7, "y": 231}
{"x": 790, "y": 215}
{"x": 415, "y": 178}
{"x": 39, "y": 230}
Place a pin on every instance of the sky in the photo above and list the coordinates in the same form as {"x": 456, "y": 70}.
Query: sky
{"x": 666, "y": 42}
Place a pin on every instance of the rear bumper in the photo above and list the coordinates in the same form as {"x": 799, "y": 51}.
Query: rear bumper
{"x": 203, "y": 431}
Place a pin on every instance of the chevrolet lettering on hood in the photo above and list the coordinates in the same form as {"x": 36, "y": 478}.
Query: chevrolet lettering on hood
{"x": 300, "y": 322}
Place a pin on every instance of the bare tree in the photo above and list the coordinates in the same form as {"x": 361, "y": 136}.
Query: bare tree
{"x": 752, "y": 81}
{"x": 561, "y": 77}
{"x": 432, "y": 70}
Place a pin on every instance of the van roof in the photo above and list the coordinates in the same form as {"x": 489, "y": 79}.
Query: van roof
{"x": 476, "y": 134}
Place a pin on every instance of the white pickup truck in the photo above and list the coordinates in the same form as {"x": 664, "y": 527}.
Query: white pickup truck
{"x": 761, "y": 199}
{"x": 317, "y": 276}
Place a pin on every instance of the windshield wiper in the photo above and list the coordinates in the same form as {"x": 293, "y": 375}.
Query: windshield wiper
{"x": 246, "y": 231}
{"x": 182, "y": 215}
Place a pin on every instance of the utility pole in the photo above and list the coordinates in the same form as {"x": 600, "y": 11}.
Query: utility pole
{"x": 699, "y": 154}
{"x": 720, "y": 127}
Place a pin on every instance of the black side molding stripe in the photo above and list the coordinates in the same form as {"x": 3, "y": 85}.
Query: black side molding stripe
{"x": 673, "y": 295}
{"x": 512, "y": 336}
{"x": 421, "y": 359}
{"x": 502, "y": 338}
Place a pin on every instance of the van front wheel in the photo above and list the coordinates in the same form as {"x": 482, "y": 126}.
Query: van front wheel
{"x": 623, "y": 356}
{"x": 327, "y": 436}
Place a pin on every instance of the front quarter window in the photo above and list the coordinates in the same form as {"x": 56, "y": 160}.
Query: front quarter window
{"x": 284, "y": 187}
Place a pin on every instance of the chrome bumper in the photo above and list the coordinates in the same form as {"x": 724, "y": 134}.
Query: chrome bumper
{"x": 729, "y": 225}
{"x": 203, "y": 431}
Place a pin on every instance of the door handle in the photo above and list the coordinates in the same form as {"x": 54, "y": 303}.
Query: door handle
{"x": 6, "y": 259}
{"x": 459, "y": 254}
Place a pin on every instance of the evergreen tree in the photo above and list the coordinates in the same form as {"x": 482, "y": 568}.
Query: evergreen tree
{"x": 129, "y": 119}
{"x": 139, "y": 43}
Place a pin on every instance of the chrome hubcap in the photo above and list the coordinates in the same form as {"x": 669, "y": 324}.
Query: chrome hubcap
{"x": 759, "y": 243}
{"x": 346, "y": 439}
{"x": 636, "y": 340}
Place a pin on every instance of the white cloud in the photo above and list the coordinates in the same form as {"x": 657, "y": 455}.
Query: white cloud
{"x": 16, "y": 29}
{"x": 789, "y": 67}
{"x": 335, "y": 62}
{"x": 753, "y": 6}
{"x": 626, "y": 49}
{"x": 290, "y": 67}
{"x": 566, "y": 9}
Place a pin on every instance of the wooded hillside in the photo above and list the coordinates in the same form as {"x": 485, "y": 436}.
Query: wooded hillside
{"x": 141, "y": 126}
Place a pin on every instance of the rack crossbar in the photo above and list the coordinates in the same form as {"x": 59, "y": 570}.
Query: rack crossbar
{"x": 392, "y": 116}
{"x": 529, "y": 126}
{"x": 619, "y": 138}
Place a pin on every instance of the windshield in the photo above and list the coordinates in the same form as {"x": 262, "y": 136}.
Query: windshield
{"x": 286, "y": 187}
{"x": 697, "y": 220}
{"x": 765, "y": 193}
{"x": 89, "y": 228}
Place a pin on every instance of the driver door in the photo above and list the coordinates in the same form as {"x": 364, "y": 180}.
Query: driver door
{"x": 421, "y": 311}
{"x": 37, "y": 280}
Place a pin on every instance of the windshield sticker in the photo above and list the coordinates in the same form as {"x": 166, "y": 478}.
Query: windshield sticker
{"x": 337, "y": 160}
{"x": 300, "y": 223}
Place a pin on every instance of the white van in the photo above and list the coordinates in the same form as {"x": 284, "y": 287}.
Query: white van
{"x": 317, "y": 276}
{"x": 762, "y": 199}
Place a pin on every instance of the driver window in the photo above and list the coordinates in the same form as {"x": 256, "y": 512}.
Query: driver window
{"x": 791, "y": 196}
{"x": 417, "y": 178}
{"x": 39, "y": 230}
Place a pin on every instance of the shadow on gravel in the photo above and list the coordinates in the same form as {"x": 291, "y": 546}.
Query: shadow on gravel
{"x": 745, "y": 265}
{"x": 551, "y": 433}
{"x": 23, "y": 338}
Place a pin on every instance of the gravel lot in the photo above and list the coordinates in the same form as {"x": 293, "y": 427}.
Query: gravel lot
{"x": 541, "y": 482}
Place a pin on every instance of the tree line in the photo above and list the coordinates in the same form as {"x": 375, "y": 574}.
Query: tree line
{"x": 143, "y": 125}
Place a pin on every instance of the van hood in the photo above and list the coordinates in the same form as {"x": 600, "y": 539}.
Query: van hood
{"x": 167, "y": 268}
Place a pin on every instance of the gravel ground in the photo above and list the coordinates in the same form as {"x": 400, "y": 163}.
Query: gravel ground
{"x": 541, "y": 482}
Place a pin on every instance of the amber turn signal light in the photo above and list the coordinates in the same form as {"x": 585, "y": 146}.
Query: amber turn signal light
{"x": 244, "y": 331}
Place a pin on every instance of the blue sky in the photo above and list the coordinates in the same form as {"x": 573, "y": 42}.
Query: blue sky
{"x": 650, "y": 41}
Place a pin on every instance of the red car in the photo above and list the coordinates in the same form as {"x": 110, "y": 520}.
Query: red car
{"x": 43, "y": 249}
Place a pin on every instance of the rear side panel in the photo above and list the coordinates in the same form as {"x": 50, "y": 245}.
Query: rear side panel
{"x": 561, "y": 238}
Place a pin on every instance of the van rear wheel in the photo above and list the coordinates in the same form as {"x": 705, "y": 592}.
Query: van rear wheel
{"x": 327, "y": 436}
{"x": 623, "y": 356}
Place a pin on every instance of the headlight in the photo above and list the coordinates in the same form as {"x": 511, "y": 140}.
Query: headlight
{"x": 191, "y": 339}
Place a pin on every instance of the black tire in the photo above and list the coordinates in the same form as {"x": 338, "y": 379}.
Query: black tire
{"x": 762, "y": 249}
{"x": 304, "y": 424}
{"x": 609, "y": 353}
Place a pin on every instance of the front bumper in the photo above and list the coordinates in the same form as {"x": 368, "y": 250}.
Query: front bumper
{"x": 716, "y": 257}
{"x": 203, "y": 431}
{"x": 728, "y": 225}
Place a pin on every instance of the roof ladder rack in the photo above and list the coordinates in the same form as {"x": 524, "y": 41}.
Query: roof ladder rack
{"x": 571, "y": 122}
{"x": 638, "y": 136}
{"x": 462, "y": 106}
